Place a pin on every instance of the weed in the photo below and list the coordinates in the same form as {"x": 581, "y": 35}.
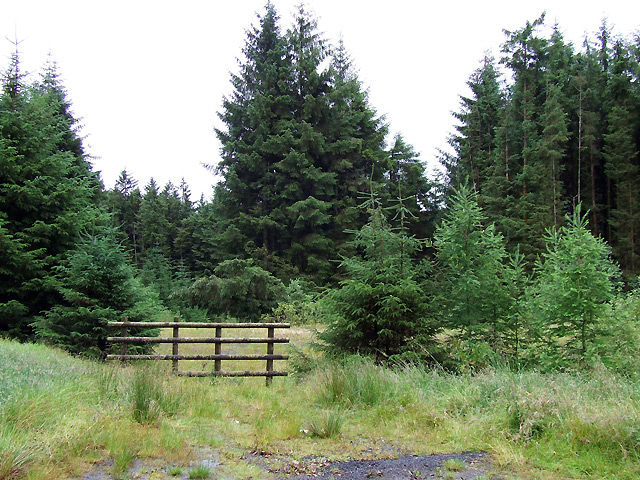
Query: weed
{"x": 13, "y": 459}
{"x": 454, "y": 465}
{"x": 150, "y": 397}
{"x": 174, "y": 471}
{"x": 144, "y": 392}
{"x": 107, "y": 381}
{"x": 357, "y": 381}
{"x": 199, "y": 472}
{"x": 416, "y": 475}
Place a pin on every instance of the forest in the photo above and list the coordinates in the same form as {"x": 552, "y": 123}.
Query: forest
{"x": 524, "y": 251}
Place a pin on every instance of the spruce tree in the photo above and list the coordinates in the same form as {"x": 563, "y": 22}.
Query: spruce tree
{"x": 257, "y": 135}
{"x": 382, "y": 306}
{"x": 47, "y": 192}
{"x": 355, "y": 147}
{"x": 123, "y": 203}
{"x": 470, "y": 255}
{"x": 475, "y": 141}
{"x": 575, "y": 279}
{"x": 96, "y": 285}
{"x": 622, "y": 167}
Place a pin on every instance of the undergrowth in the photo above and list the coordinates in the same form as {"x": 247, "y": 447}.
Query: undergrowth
{"x": 533, "y": 425}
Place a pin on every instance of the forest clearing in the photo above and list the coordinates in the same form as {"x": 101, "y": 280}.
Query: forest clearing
{"x": 488, "y": 315}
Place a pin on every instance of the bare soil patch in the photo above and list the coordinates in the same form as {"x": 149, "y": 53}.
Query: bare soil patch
{"x": 471, "y": 465}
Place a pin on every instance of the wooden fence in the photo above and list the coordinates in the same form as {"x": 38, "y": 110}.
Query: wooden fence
{"x": 218, "y": 341}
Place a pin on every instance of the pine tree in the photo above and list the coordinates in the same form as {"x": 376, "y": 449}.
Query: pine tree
{"x": 256, "y": 137}
{"x": 380, "y": 307}
{"x": 479, "y": 117}
{"x": 406, "y": 181}
{"x": 525, "y": 54}
{"x": 123, "y": 202}
{"x": 355, "y": 146}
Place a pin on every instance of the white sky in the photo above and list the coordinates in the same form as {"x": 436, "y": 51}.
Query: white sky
{"x": 147, "y": 77}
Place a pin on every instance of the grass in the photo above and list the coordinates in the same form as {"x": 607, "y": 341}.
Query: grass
{"x": 56, "y": 420}
{"x": 326, "y": 425}
{"x": 454, "y": 465}
{"x": 199, "y": 471}
{"x": 174, "y": 470}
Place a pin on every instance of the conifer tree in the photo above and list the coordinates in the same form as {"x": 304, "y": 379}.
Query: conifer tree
{"x": 123, "y": 202}
{"x": 258, "y": 135}
{"x": 96, "y": 285}
{"x": 479, "y": 116}
{"x": 622, "y": 167}
{"x": 575, "y": 278}
{"x": 47, "y": 192}
{"x": 355, "y": 147}
{"x": 381, "y": 307}
{"x": 473, "y": 295}
{"x": 299, "y": 143}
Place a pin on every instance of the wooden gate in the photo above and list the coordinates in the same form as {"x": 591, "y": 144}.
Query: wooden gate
{"x": 270, "y": 340}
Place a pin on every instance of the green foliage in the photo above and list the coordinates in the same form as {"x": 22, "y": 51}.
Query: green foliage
{"x": 150, "y": 397}
{"x": 618, "y": 343}
{"x": 96, "y": 285}
{"x": 356, "y": 381}
{"x": 557, "y": 132}
{"x": 472, "y": 294}
{"x": 47, "y": 194}
{"x": 576, "y": 278}
{"x": 299, "y": 142}
{"x": 238, "y": 288}
{"x": 381, "y": 307}
{"x": 299, "y": 306}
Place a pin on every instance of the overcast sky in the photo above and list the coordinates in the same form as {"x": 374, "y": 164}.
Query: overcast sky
{"x": 147, "y": 77}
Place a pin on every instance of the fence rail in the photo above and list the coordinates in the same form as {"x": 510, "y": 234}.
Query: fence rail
{"x": 270, "y": 340}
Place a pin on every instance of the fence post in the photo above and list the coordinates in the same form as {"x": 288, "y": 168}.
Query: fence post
{"x": 123, "y": 333}
{"x": 270, "y": 334}
{"x": 218, "y": 350}
{"x": 175, "y": 350}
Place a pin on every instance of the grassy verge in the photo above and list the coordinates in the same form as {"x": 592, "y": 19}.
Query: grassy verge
{"x": 55, "y": 422}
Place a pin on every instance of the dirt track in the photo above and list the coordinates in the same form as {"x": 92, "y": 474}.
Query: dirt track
{"x": 406, "y": 467}
{"x": 409, "y": 467}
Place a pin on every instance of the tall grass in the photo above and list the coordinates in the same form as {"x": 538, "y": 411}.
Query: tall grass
{"x": 534, "y": 425}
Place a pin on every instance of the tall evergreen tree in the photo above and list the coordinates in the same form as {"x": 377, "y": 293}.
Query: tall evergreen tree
{"x": 96, "y": 285}
{"x": 47, "y": 192}
{"x": 356, "y": 145}
{"x": 622, "y": 164}
{"x": 479, "y": 117}
{"x": 257, "y": 136}
{"x": 300, "y": 141}
{"x": 123, "y": 202}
